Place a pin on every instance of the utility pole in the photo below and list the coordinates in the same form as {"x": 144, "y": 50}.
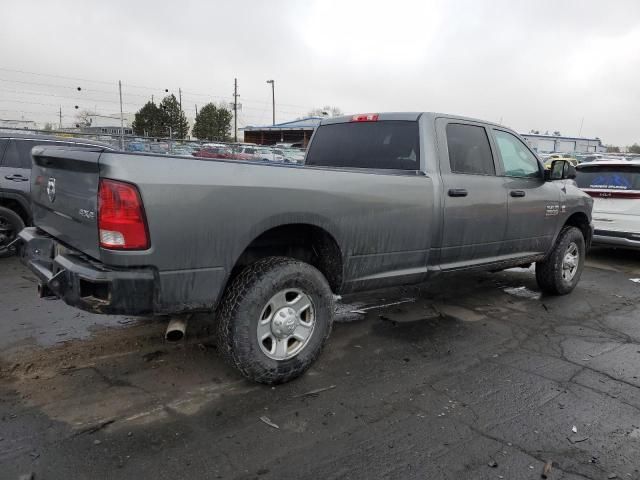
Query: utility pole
{"x": 196, "y": 110}
{"x": 60, "y": 117}
{"x": 581, "y": 123}
{"x": 235, "y": 109}
{"x": 180, "y": 98}
{"x": 121, "y": 117}
{"x": 273, "y": 99}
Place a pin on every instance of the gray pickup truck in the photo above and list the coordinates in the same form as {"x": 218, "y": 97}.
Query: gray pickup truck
{"x": 382, "y": 200}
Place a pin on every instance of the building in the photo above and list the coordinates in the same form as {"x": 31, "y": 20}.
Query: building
{"x": 555, "y": 143}
{"x": 14, "y": 124}
{"x": 296, "y": 131}
{"x": 108, "y": 124}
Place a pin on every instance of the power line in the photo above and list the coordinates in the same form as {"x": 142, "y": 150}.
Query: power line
{"x": 125, "y": 85}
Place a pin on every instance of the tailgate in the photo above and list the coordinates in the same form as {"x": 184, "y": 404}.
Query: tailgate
{"x": 64, "y": 191}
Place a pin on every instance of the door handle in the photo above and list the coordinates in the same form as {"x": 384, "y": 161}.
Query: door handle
{"x": 458, "y": 192}
{"x": 16, "y": 178}
{"x": 518, "y": 193}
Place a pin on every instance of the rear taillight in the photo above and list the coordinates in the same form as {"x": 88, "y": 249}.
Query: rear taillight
{"x": 121, "y": 221}
{"x": 365, "y": 117}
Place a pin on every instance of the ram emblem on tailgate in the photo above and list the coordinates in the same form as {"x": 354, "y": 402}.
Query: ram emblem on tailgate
{"x": 51, "y": 189}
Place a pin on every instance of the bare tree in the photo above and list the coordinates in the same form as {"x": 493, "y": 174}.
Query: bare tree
{"x": 326, "y": 111}
{"x": 83, "y": 118}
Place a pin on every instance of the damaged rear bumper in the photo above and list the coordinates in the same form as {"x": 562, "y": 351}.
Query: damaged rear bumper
{"x": 85, "y": 283}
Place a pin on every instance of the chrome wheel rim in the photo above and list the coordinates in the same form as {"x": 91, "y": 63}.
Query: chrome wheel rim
{"x": 570, "y": 262}
{"x": 286, "y": 324}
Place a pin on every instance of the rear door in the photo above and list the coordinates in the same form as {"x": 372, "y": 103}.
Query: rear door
{"x": 15, "y": 168}
{"x": 475, "y": 210}
{"x": 616, "y": 193}
{"x": 533, "y": 203}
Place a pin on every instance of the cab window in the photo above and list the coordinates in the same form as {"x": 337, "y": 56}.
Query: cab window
{"x": 517, "y": 159}
{"x": 469, "y": 150}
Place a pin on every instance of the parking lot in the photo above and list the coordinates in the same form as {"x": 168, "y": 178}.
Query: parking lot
{"x": 474, "y": 377}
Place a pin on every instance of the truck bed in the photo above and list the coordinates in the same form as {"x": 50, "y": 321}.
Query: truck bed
{"x": 203, "y": 213}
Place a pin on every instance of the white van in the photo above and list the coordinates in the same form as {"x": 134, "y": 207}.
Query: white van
{"x": 615, "y": 188}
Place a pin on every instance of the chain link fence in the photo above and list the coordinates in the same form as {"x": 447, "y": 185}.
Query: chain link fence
{"x": 281, "y": 153}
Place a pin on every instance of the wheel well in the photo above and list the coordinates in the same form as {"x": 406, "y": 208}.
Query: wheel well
{"x": 304, "y": 242}
{"x": 16, "y": 207}
{"x": 581, "y": 221}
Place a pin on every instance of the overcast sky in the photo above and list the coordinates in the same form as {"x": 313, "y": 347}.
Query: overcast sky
{"x": 542, "y": 65}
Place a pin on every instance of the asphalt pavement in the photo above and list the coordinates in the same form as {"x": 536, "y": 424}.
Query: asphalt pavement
{"x": 474, "y": 377}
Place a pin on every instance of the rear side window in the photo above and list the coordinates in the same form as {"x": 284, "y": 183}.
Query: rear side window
{"x": 18, "y": 154}
{"x": 609, "y": 177}
{"x": 469, "y": 150}
{"x": 391, "y": 144}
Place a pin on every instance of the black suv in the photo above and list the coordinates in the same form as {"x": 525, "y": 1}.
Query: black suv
{"x": 15, "y": 173}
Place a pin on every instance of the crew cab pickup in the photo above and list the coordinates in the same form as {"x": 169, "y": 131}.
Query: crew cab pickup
{"x": 383, "y": 199}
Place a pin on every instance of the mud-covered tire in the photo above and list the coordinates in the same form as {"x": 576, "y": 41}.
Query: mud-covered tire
{"x": 549, "y": 273}
{"x": 10, "y": 224}
{"x": 244, "y": 302}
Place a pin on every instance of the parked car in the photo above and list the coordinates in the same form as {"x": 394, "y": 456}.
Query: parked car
{"x": 288, "y": 145}
{"x": 158, "y": 147}
{"x": 15, "y": 174}
{"x": 588, "y": 157}
{"x": 293, "y": 155}
{"x": 559, "y": 156}
{"x": 269, "y": 155}
{"x": 383, "y": 200}
{"x": 184, "y": 150}
{"x": 214, "y": 152}
{"x": 615, "y": 188}
{"x": 261, "y": 154}
{"x": 136, "y": 147}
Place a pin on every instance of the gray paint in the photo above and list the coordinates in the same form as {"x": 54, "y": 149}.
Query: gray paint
{"x": 392, "y": 227}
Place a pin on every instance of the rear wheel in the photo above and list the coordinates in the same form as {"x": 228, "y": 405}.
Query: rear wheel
{"x": 274, "y": 319}
{"x": 560, "y": 272}
{"x": 10, "y": 226}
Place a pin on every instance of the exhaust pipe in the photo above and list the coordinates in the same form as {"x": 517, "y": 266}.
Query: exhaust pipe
{"x": 44, "y": 291}
{"x": 176, "y": 329}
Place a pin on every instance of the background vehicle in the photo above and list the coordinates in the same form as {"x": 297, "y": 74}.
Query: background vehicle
{"x": 15, "y": 186}
{"x": 384, "y": 199}
{"x": 224, "y": 153}
{"x": 588, "y": 157}
{"x": 560, "y": 156}
{"x": 269, "y": 155}
{"x": 157, "y": 147}
{"x": 615, "y": 188}
{"x": 293, "y": 155}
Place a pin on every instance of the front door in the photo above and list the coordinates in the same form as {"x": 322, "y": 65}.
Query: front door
{"x": 533, "y": 203}
{"x": 475, "y": 212}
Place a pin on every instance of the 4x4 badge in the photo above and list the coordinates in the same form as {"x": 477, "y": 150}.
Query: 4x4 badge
{"x": 51, "y": 189}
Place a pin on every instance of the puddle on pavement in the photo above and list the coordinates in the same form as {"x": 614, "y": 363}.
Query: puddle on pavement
{"x": 350, "y": 312}
{"x": 125, "y": 376}
{"x": 522, "y": 292}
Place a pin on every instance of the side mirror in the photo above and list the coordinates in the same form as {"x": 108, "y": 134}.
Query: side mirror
{"x": 560, "y": 170}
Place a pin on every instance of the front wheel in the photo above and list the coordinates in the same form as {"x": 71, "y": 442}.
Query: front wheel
{"x": 274, "y": 319}
{"x": 560, "y": 272}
